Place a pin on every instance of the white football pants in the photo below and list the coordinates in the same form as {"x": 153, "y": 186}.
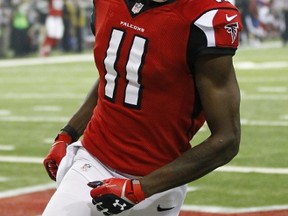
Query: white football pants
{"x": 72, "y": 197}
{"x": 54, "y": 27}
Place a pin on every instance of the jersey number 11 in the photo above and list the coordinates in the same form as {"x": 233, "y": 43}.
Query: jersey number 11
{"x": 134, "y": 64}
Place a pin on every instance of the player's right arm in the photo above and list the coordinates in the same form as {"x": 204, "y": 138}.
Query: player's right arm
{"x": 71, "y": 132}
{"x": 81, "y": 118}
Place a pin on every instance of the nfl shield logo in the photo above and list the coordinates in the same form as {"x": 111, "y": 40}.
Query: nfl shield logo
{"x": 137, "y": 7}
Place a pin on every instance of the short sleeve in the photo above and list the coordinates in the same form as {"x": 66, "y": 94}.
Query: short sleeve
{"x": 215, "y": 32}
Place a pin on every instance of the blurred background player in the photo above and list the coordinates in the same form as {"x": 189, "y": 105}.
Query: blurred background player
{"x": 54, "y": 26}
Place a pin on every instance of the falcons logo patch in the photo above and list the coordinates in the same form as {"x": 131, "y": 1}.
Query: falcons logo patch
{"x": 232, "y": 29}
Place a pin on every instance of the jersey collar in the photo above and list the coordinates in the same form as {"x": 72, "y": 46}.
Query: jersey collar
{"x": 137, "y": 7}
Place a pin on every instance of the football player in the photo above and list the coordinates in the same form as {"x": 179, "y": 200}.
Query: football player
{"x": 54, "y": 26}
{"x": 165, "y": 67}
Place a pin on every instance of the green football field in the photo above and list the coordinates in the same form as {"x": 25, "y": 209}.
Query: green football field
{"x": 37, "y": 97}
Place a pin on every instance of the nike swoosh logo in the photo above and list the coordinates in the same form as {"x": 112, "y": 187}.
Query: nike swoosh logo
{"x": 160, "y": 209}
{"x": 230, "y": 18}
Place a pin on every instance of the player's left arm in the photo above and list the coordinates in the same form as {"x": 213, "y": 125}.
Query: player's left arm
{"x": 220, "y": 97}
{"x": 219, "y": 92}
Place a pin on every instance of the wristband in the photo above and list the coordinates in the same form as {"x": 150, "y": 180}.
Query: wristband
{"x": 71, "y": 132}
{"x": 63, "y": 137}
{"x": 138, "y": 192}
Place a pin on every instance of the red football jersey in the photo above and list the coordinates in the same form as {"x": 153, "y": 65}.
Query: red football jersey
{"x": 148, "y": 109}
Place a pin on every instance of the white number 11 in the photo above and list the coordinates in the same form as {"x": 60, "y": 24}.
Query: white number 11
{"x": 133, "y": 68}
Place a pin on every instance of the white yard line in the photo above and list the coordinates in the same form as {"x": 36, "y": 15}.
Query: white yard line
{"x": 261, "y": 66}
{"x": 276, "y": 97}
{"x": 33, "y": 119}
{"x": 43, "y": 96}
{"x": 4, "y": 112}
{"x": 246, "y": 122}
{"x": 25, "y": 190}
{"x": 18, "y": 159}
{"x": 260, "y": 170}
{"x": 269, "y": 79}
{"x": 7, "y": 147}
{"x": 47, "y": 108}
{"x": 46, "y": 60}
{"x": 273, "y": 89}
{"x": 3, "y": 179}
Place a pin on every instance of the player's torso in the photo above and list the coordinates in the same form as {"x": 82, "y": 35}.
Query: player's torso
{"x": 141, "y": 52}
{"x": 149, "y": 44}
{"x": 146, "y": 83}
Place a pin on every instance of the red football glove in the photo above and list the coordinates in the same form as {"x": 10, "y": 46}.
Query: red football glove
{"x": 115, "y": 195}
{"x": 56, "y": 153}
